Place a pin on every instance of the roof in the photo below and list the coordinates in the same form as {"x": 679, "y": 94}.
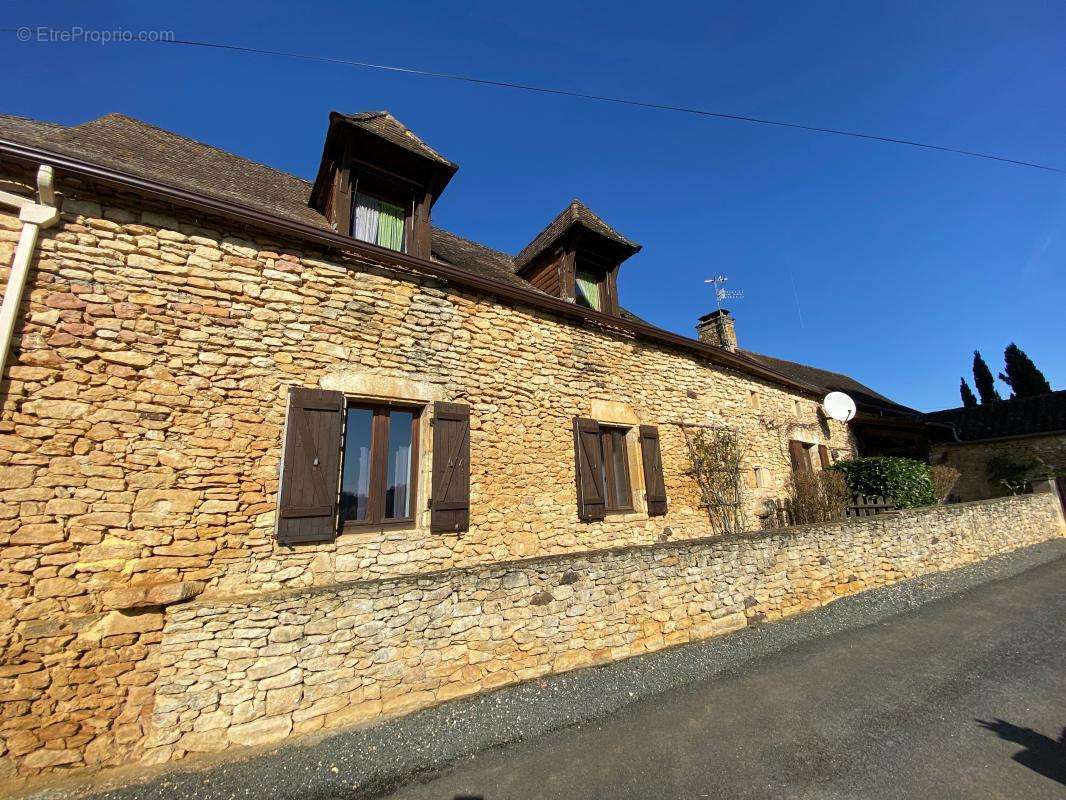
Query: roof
{"x": 138, "y": 149}
{"x": 576, "y": 213}
{"x": 385, "y": 125}
{"x": 866, "y": 398}
{"x": 1045, "y": 413}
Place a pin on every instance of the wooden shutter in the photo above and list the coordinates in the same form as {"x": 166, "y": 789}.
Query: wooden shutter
{"x": 588, "y": 458}
{"x": 801, "y": 462}
{"x": 450, "y": 500}
{"x": 310, "y": 469}
{"x": 654, "y": 485}
{"x": 823, "y": 456}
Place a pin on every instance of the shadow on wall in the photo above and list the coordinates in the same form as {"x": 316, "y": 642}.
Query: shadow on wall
{"x": 1041, "y": 753}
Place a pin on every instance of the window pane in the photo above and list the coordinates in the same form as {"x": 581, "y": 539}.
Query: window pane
{"x": 390, "y": 226}
{"x": 398, "y": 467}
{"x": 621, "y": 475}
{"x": 365, "y": 224}
{"x": 355, "y": 477}
{"x": 587, "y": 291}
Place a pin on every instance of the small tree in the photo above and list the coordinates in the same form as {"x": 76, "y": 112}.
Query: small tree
{"x": 983, "y": 380}
{"x": 969, "y": 399}
{"x": 1021, "y": 374}
{"x": 715, "y": 465}
{"x": 1011, "y": 474}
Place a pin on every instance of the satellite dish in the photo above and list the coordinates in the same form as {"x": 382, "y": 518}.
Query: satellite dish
{"x": 839, "y": 406}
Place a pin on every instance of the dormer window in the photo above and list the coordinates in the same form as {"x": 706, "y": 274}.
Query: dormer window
{"x": 378, "y": 181}
{"x": 577, "y": 258}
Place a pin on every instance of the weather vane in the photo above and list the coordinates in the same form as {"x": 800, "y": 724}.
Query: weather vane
{"x": 721, "y": 293}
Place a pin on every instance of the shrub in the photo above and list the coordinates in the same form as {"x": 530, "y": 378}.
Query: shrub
{"x": 944, "y": 480}
{"x": 818, "y": 497}
{"x": 905, "y": 480}
{"x": 1010, "y": 474}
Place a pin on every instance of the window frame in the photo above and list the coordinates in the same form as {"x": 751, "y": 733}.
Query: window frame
{"x": 366, "y": 182}
{"x": 381, "y": 422}
{"x": 611, "y": 503}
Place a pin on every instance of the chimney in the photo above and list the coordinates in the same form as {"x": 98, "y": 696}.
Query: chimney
{"x": 717, "y": 328}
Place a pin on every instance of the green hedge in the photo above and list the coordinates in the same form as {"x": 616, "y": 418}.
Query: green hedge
{"x": 905, "y": 480}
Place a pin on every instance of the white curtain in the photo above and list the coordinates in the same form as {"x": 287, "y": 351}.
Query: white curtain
{"x": 367, "y": 213}
{"x": 401, "y": 480}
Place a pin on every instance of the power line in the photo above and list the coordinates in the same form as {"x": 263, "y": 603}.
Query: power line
{"x": 599, "y": 98}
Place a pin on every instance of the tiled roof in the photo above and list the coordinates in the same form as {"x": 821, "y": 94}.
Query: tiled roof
{"x": 385, "y": 125}
{"x": 864, "y": 397}
{"x": 136, "y": 148}
{"x": 577, "y": 213}
{"x": 1045, "y": 413}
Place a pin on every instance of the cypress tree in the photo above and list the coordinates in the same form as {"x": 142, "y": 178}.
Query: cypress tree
{"x": 1022, "y": 376}
{"x": 969, "y": 400}
{"x": 983, "y": 380}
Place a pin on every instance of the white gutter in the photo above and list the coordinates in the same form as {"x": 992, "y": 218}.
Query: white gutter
{"x": 34, "y": 216}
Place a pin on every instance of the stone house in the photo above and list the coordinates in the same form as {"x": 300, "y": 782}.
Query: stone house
{"x": 225, "y": 381}
{"x": 1030, "y": 430}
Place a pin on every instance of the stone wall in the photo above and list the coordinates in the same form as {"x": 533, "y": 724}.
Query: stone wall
{"x": 141, "y": 425}
{"x": 240, "y": 672}
{"x": 970, "y": 459}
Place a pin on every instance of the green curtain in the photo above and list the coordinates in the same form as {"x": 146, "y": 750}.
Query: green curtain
{"x": 588, "y": 290}
{"x": 390, "y": 226}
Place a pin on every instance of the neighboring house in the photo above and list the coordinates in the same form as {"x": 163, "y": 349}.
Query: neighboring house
{"x": 227, "y": 380}
{"x": 1028, "y": 431}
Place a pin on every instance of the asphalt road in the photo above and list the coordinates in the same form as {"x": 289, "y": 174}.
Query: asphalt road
{"x": 963, "y": 697}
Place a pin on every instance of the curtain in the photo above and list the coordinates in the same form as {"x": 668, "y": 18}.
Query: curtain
{"x": 390, "y": 226}
{"x": 378, "y": 222}
{"x": 588, "y": 289}
{"x": 366, "y": 218}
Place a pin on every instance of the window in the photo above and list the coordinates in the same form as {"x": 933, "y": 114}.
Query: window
{"x": 758, "y": 479}
{"x": 378, "y": 222}
{"x": 380, "y": 464}
{"x": 380, "y": 211}
{"x": 799, "y": 408}
{"x": 616, "y": 469}
{"x": 753, "y": 399}
{"x": 587, "y": 291}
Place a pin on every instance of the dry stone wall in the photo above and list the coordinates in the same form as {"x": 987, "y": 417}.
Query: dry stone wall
{"x": 256, "y": 671}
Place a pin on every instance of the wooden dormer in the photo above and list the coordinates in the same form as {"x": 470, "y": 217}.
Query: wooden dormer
{"x": 378, "y": 181}
{"x": 577, "y": 258}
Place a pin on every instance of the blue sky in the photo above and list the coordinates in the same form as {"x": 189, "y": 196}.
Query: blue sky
{"x": 889, "y": 263}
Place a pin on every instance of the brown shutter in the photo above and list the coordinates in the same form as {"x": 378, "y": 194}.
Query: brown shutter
{"x": 654, "y": 485}
{"x": 310, "y": 471}
{"x": 823, "y": 456}
{"x": 450, "y": 499}
{"x": 588, "y": 458}
{"x": 801, "y": 462}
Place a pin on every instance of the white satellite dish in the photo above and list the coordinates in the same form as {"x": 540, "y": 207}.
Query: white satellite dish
{"x": 839, "y": 406}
